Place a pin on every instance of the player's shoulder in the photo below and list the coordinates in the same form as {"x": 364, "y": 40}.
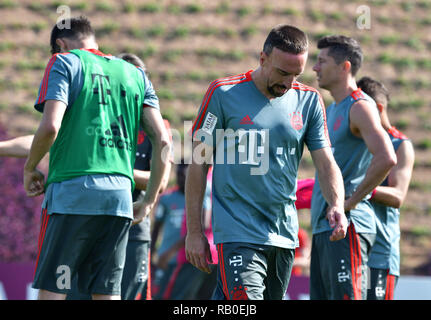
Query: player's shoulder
{"x": 225, "y": 83}
{"x": 298, "y": 86}
{"x": 358, "y": 94}
{"x": 64, "y": 62}
{"x": 402, "y": 144}
{"x": 62, "y": 58}
{"x": 359, "y": 97}
{"x": 61, "y": 54}
{"x": 361, "y": 101}
{"x": 139, "y": 69}
{"x": 305, "y": 92}
{"x": 395, "y": 133}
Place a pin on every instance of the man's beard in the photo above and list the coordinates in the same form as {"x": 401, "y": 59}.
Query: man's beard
{"x": 274, "y": 93}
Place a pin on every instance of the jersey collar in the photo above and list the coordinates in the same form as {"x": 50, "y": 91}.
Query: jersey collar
{"x": 97, "y": 52}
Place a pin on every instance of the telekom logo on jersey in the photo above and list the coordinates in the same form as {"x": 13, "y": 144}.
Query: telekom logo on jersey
{"x": 249, "y": 147}
{"x": 245, "y": 147}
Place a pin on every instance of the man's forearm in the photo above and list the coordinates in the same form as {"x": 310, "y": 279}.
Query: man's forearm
{"x": 141, "y": 178}
{"x": 165, "y": 179}
{"x": 330, "y": 178}
{"x": 46, "y": 133}
{"x": 18, "y": 147}
{"x": 154, "y": 127}
{"x": 42, "y": 142}
{"x": 158, "y": 169}
{"x": 195, "y": 192}
{"x": 388, "y": 196}
{"x": 332, "y": 186}
{"x": 376, "y": 173}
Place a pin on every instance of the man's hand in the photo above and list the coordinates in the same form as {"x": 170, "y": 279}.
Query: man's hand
{"x": 198, "y": 251}
{"x": 338, "y": 222}
{"x": 34, "y": 182}
{"x": 141, "y": 209}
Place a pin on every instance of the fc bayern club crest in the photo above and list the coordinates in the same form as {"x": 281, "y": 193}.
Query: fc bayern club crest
{"x": 296, "y": 121}
{"x": 338, "y": 122}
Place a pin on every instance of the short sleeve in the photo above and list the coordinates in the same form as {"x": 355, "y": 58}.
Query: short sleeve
{"x": 150, "y": 97}
{"x": 210, "y": 117}
{"x": 62, "y": 80}
{"x": 317, "y": 136}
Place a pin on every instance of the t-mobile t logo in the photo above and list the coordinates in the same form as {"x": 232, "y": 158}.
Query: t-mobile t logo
{"x": 236, "y": 261}
{"x": 102, "y": 87}
{"x": 343, "y": 276}
{"x": 253, "y": 150}
{"x": 246, "y": 147}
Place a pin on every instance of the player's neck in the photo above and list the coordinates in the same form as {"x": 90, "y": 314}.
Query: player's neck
{"x": 85, "y": 43}
{"x": 339, "y": 91}
{"x": 89, "y": 44}
{"x": 386, "y": 124}
{"x": 260, "y": 84}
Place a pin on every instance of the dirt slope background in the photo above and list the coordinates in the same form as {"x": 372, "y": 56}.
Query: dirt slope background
{"x": 188, "y": 43}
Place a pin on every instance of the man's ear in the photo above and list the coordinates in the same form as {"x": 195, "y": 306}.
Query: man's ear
{"x": 347, "y": 66}
{"x": 62, "y": 44}
{"x": 263, "y": 57}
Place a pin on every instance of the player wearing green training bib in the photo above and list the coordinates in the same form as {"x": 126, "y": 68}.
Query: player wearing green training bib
{"x": 92, "y": 106}
{"x": 109, "y": 102}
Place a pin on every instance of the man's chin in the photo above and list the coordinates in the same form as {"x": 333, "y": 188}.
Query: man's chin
{"x": 276, "y": 93}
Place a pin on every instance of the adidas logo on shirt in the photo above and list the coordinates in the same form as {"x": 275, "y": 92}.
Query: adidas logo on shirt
{"x": 246, "y": 120}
